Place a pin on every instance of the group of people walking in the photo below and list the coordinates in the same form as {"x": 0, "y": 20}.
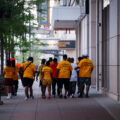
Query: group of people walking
{"x": 51, "y": 74}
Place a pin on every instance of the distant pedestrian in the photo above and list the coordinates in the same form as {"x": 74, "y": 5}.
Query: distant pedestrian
{"x": 54, "y": 80}
{"x": 8, "y": 72}
{"x": 46, "y": 80}
{"x": 73, "y": 79}
{"x": 29, "y": 70}
{"x": 85, "y": 70}
{"x": 64, "y": 70}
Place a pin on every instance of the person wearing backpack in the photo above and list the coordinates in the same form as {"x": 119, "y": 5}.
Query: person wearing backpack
{"x": 29, "y": 70}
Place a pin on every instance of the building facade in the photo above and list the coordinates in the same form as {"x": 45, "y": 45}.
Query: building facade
{"x": 97, "y": 34}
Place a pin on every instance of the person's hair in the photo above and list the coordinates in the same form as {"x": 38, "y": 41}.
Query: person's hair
{"x": 69, "y": 59}
{"x": 80, "y": 58}
{"x": 55, "y": 60}
{"x": 85, "y": 56}
{"x": 50, "y": 59}
{"x": 65, "y": 57}
{"x": 13, "y": 63}
{"x": 72, "y": 60}
{"x": 47, "y": 63}
{"x": 8, "y": 63}
{"x": 43, "y": 61}
{"x": 30, "y": 59}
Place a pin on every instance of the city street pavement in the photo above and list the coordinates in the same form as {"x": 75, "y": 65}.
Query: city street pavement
{"x": 96, "y": 107}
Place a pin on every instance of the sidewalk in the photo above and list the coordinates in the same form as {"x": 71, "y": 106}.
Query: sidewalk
{"x": 97, "y": 107}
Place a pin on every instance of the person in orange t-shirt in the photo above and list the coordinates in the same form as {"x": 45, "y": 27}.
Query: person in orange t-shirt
{"x": 64, "y": 70}
{"x": 28, "y": 76}
{"x": 55, "y": 80}
{"x": 85, "y": 70}
{"x": 8, "y": 72}
{"x": 46, "y": 79}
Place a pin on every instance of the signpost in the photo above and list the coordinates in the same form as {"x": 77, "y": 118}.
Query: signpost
{"x": 66, "y": 44}
{"x": 44, "y": 14}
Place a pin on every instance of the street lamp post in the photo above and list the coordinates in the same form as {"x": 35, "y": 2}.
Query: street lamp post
{"x": 1, "y": 102}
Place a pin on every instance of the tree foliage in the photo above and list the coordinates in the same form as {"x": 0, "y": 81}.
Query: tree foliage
{"x": 14, "y": 16}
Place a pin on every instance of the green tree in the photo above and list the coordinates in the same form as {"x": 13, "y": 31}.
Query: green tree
{"x": 14, "y": 16}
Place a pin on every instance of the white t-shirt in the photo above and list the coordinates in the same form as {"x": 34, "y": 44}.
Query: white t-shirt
{"x": 74, "y": 73}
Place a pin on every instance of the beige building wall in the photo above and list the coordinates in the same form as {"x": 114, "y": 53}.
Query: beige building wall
{"x": 108, "y": 73}
{"x": 87, "y": 37}
{"x": 114, "y": 74}
{"x": 103, "y": 45}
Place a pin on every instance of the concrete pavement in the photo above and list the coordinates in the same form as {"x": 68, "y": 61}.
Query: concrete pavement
{"x": 97, "y": 107}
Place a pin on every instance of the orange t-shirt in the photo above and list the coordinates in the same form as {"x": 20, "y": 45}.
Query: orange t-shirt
{"x": 86, "y": 67}
{"x": 8, "y": 71}
{"x": 30, "y": 70}
{"x": 47, "y": 72}
{"x": 64, "y": 69}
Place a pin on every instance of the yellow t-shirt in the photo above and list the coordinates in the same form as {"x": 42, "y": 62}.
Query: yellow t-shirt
{"x": 86, "y": 67}
{"x": 47, "y": 72}
{"x": 30, "y": 71}
{"x": 40, "y": 70}
{"x": 64, "y": 69}
{"x": 8, "y": 71}
{"x": 15, "y": 74}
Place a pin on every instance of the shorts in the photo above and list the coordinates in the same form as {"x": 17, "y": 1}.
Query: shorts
{"x": 46, "y": 82}
{"x": 27, "y": 82}
{"x": 84, "y": 81}
{"x": 8, "y": 81}
{"x": 65, "y": 82}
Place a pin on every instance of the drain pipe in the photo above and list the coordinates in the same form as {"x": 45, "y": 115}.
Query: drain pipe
{"x": 118, "y": 49}
{"x": 97, "y": 44}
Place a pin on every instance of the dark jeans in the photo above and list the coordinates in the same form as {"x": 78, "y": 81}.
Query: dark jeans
{"x": 72, "y": 87}
{"x": 54, "y": 83}
{"x": 15, "y": 87}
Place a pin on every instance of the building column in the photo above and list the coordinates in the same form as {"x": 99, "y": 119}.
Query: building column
{"x": 118, "y": 47}
{"x": 92, "y": 37}
{"x": 78, "y": 38}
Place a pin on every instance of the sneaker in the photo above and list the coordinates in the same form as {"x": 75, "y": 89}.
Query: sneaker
{"x": 8, "y": 97}
{"x": 72, "y": 95}
{"x": 32, "y": 97}
{"x": 26, "y": 98}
